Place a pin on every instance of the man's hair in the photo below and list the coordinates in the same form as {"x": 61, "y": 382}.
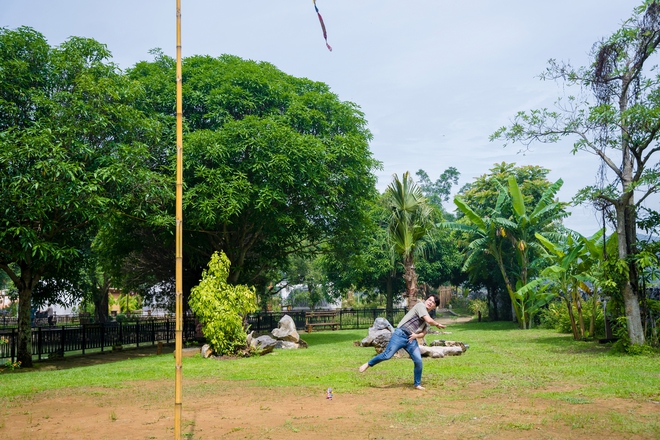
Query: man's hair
{"x": 435, "y": 299}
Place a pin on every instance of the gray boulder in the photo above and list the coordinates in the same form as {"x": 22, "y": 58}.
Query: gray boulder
{"x": 381, "y": 341}
{"x": 286, "y": 330}
{"x": 265, "y": 343}
{"x": 380, "y": 327}
{"x": 443, "y": 343}
{"x": 207, "y": 351}
{"x": 287, "y": 345}
{"x": 439, "y": 351}
{"x": 382, "y": 324}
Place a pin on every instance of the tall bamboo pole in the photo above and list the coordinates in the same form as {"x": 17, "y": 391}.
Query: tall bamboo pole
{"x": 179, "y": 231}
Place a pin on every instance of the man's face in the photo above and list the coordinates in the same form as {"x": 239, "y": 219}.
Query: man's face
{"x": 429, "y": 303}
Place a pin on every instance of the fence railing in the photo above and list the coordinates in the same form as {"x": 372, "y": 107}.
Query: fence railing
{"x": 347, "y": 318}
{"x": 77, "y": 319}
{"x": 62, "y": 339}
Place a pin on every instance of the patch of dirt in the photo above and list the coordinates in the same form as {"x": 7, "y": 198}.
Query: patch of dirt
{"x": 235, "y": 410}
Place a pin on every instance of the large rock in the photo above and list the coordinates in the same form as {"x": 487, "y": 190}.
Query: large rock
{"x": 439, "y": 351}
{"x": 286, "y": 330}
{"x": 380, "y": 327}
{"x": 265, "y": 344}
{"x": 381, "y": 341}
{"x": 373, "y": 334}
{"x": 382, "y": 324}
{"x": 250, "y": 340}
{"x": 287, "y": 345}
{"x": 207, "y": 351}
{"x": 443, "y": 343}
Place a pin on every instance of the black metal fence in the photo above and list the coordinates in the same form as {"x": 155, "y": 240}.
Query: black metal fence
{"x": 58, "y": 340}
{"x": 61, "y": 339}
{"x": 72, "y": 320}
{"x": 347, "y": 318}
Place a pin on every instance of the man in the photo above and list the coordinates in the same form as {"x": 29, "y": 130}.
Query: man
{"x": 414, "y": 325}
{"x": 49, "y": 315}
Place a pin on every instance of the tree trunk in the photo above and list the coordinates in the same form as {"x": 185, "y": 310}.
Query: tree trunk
{"x": 578, "y": 306}
{"x": 592, "y": 321}
{"x": 410, "y": 276}
{"x": 571, "y": 316}
{"x": 28, "y": 279}
{"x": 514, "y": 304}
{"x": 101, "y": 305}
{"x": 389, "y": 302}
{"x": 24, "y": 349}
{"x": 626, "y": 236}
{"x": 100, "y": 300}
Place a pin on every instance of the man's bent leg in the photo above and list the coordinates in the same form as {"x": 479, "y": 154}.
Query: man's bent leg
{"x": 397, "y": 342}
{"x": 413, "y": 350}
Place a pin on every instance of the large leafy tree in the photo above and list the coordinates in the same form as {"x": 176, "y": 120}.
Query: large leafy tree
{"x": 616, "y": 120}
{"x": 71, "y": 146}
{"x": 274, "y": 165}
{"x": 367, "y": 265}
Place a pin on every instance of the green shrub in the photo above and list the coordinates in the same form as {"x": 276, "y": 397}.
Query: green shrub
{"x": 478, "y": 305}
{"x": 555, "y": 316}
{"x": 222, "y": 307}
{"x": 121, "y": 318}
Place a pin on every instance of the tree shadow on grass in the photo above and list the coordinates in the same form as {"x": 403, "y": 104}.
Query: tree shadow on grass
{"x": 566, "y": 344}
{"x": 96, "y": 358}
{"x": 333, "y": 337}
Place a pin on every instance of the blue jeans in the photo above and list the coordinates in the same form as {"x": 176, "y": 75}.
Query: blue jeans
{"x": 398, "y": 341}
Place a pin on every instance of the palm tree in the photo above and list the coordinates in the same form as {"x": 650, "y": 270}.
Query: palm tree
{"x": 410, "y": 225}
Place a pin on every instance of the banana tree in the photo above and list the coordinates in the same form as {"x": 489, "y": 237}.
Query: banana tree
{"x": 546, "y": 212}
{"x": 532, "y": 297}
{"x": 488, "y": 234}
{"x": 573, "y": 261}
{"x": 492, "y": 230}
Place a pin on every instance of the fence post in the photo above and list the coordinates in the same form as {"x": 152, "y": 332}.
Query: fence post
{"x": 83, "y": 338}
{"x": 153, "y": 332}
{"x": 62, "y": 339}
{"x": 39, "y": 342}
{"x": 137, "y": 333}
{"x": 14, "y": 342}
{"x": 121, "y": 333}
{"x": 167, "y": 329}
{"x": 102, "y": 336}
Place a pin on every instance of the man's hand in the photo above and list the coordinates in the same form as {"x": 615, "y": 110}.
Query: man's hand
{"x": 441, "y": 326}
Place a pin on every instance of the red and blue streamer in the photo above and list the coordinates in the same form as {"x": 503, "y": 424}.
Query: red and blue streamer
{"x": 325, "y": 34}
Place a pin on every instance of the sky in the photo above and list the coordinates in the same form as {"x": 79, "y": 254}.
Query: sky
{"x": 434, "y": 78}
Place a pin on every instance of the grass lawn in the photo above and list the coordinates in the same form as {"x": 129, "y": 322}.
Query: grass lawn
{"x": 509, "y": 384}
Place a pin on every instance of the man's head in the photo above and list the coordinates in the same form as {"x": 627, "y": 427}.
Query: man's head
{"x": 432, "y": 301}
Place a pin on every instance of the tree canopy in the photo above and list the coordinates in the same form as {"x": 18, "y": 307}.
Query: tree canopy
{"x": 615, "y": 118}
{"x": 71, "y": 145}
{"x": 274, "y": 165}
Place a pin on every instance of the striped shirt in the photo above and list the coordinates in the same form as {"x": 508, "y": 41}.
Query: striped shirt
{"x": 414, "y": 322}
